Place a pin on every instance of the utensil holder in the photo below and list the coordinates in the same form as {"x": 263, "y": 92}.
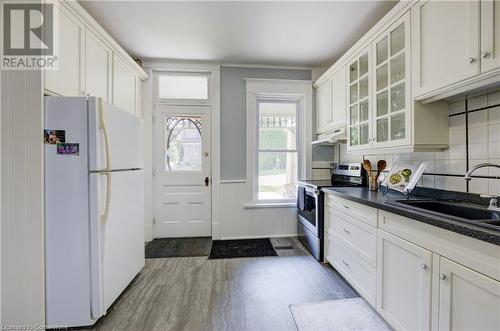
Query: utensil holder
{"x": 373, "y": 183}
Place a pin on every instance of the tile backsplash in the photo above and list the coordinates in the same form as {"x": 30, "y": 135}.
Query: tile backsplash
{"x": 474, "y": 138}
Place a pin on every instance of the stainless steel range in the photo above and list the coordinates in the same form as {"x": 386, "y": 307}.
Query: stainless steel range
{"x": 310, "y": 203}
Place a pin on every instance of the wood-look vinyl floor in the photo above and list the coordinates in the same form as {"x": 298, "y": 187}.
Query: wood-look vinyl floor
{"x": 194, "y": 293}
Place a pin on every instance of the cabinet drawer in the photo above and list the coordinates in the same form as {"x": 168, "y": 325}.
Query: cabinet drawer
{"x": 357, "y": 236}
{"x": 357, "y": 272}
{"x": 363, "y": 213}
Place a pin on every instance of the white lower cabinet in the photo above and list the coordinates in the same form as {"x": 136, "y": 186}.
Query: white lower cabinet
{"x": 355, "y": 270}
{"x": 468, "y": 300}
{"x": 423, "y": 277}
{"x": 350, "y": 244}
{"x": 404, "y": 283}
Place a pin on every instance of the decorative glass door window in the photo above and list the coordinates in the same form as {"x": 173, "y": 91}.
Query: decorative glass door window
{"x": 390, "y": 86}
{"x": 277, "y": 164}
{"x": 183, "y": 143}
{"x": 359, "y": 101}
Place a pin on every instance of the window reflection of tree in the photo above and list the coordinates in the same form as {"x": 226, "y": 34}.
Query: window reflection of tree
{"x": 173, "y": 123}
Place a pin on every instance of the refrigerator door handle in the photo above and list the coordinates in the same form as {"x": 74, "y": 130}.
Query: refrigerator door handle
{"x": 104, "y": 216}
{"x": 104, "y": 127}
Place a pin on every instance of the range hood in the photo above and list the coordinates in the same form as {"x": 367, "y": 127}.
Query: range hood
{"x": 332, "y": 137}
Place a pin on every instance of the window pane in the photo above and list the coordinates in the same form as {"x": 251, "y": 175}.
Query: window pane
{"x": 277, "y": 125}
{"x": 382, "y": 77}
{"x": 363, "y": 64}
{"x": 398, "y": 39}
{"x": 398, "y": 126}
{"x": 183, "y": 87}
{"x": 397, "y": 68}
{"x": 277, "y": 175}
{"x": 183, "y": 145}
{"x": 397, "y": 97}
{"x": 382, "y": 50}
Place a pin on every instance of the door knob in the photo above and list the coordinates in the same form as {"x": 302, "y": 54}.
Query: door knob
{"x": 207, "y": 180}
{"x": 472, "y": 60}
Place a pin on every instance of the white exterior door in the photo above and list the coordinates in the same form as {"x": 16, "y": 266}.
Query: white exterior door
{"x": 182, "y": 171}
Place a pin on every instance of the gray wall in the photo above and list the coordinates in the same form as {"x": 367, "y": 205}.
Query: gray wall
{"x": 233, "y": 114}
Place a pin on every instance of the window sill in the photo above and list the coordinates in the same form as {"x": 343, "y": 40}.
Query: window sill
{"x": 270, "y": 205}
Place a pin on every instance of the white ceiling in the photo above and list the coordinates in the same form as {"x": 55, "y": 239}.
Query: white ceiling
{"x": 300, "y": 33}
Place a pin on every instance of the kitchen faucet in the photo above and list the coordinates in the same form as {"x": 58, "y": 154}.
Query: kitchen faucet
{"x": 494, "y": 199}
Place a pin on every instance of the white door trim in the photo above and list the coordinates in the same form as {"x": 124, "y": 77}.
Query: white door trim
{"x": 214, "y": 103}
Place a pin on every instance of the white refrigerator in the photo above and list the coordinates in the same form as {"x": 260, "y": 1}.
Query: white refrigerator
{"x": 94, "y": 207}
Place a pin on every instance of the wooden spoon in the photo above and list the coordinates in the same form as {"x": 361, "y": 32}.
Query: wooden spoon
{"x": 381, "y": 165}
{"x": 368, "y": 167}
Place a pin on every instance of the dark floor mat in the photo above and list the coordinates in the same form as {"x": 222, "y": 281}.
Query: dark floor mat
{"x": 227, "y": 249}
{"x": 178, "y": 247}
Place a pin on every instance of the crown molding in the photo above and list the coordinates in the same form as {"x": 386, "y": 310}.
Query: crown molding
{"x": 90, "y": 23}
{"x": 393, "y": 15}
{"x": 263, "y": 66}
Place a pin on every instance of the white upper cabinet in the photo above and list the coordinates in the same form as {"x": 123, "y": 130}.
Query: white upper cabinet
{"x": 91, "y": 63}
{"x": 323, "y": 106}
{"x": 404, "y": 283}
{"x": 97, "y": 67}
{"x": 382, "y": 114}
{"x": 339, "y": 98}
{"x": 359, "y": 101}
{"x": 445, "y": 43}
{"x": 392, "y": 98}
{"x": 490, "y": 35}
{"x": 124, "y": 86}
{"x": 468, "y": 300}
{"x": 66, "y": 80}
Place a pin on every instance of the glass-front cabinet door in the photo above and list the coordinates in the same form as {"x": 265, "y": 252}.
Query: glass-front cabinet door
{"x": 392, "y": 107}
{"x": 359, "y": 101}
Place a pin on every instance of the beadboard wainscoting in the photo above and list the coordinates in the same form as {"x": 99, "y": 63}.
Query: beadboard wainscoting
{"x": 236, "y": 221}
{"x": 22, "y": 286}
{"x": 474, "y": 136}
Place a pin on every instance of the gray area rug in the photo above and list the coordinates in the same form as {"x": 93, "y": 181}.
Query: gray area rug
{"x": 336, "y": 315}
{"x": 178, "y": 247}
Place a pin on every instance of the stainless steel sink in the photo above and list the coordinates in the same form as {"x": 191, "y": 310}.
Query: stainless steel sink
{"x": 458, "y": 210}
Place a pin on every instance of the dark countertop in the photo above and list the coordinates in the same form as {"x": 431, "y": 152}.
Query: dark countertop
{"x": 379, "y": 201}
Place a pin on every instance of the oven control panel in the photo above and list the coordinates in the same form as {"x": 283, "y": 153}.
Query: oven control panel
{"x": 346, "y": 169}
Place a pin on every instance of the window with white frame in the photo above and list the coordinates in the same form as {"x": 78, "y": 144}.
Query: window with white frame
{"x": 277, "y": 153}
{"x": 279, "y": 132}
{"x": 183, "y": 86}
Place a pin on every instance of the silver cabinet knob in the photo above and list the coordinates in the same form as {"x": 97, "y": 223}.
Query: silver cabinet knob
{"x": 346, "y": 231}
{"x": 485, "y": 55}
{"x": 442, "y": 276}
{"x": 344, "y": 262}
{"x": 423, "y": 266}
{"x": 472, "y": 60}
{"x": 346, "y": 207}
